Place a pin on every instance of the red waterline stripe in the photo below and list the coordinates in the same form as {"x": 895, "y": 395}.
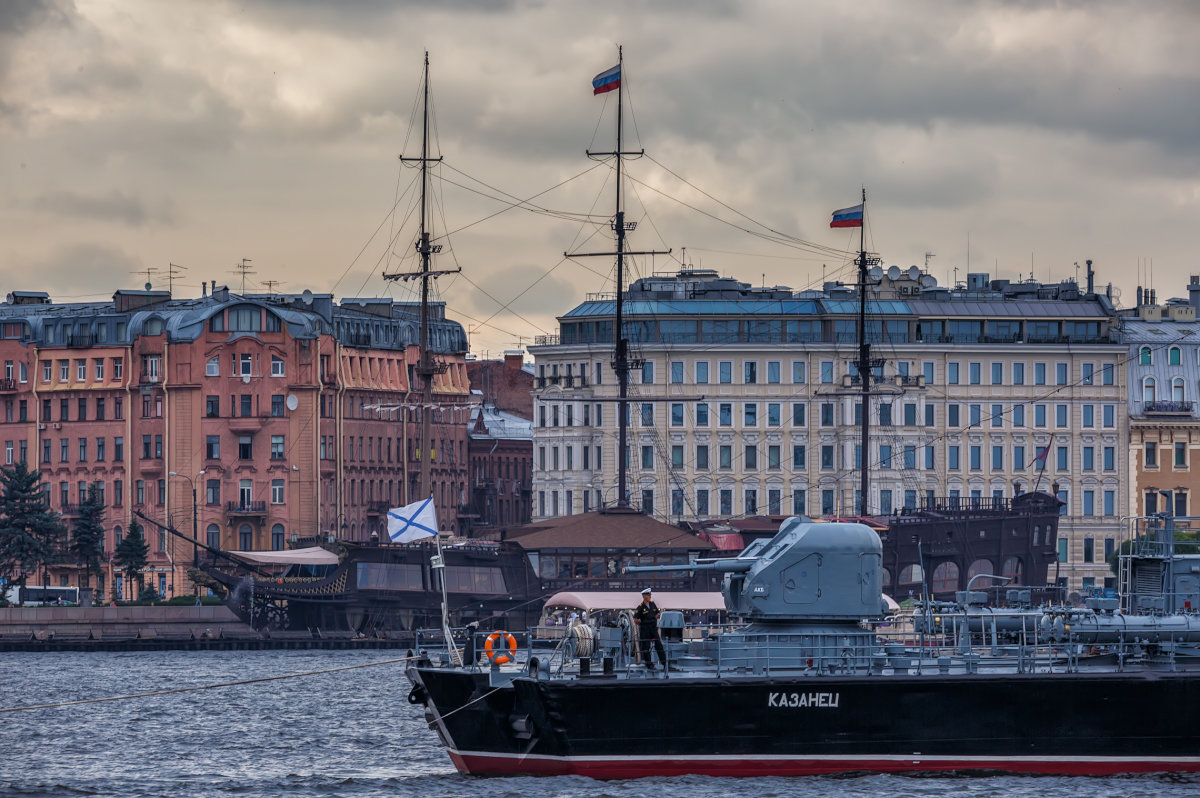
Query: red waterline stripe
{"x": 625, "y": 768}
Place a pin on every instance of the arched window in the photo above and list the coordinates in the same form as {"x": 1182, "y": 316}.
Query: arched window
{"x": 1177, "y": 389}
{"x": 277, "y": 537}
{"x": 980, "y": 567}
{"x": 118, "y": 533}
{"x": 945, "y": 578}
{"x": 213, "y": 536}
{"x": 885, "y": 577}
{"x": 154, "y": 326}
{"x": 212, "y": 366}
{"x": 1148, "y": 389}
{"x": 1012, "y": 569}
{"x": 1144, "y": 357}
{"x": 245, "y": 538}
{"x": 911, "y": 575}
{"x": 1173, "y": 356}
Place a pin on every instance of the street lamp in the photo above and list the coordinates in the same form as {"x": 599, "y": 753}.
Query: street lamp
{"x": 195, "y": 537}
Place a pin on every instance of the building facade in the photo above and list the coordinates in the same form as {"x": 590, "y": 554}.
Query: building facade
{"x": 1164, "y": 427}
{"x": 747, "y": 402}
{"x": 286, "y": 417}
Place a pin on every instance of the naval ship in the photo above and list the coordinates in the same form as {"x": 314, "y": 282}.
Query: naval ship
{"x": 818, "y": 680}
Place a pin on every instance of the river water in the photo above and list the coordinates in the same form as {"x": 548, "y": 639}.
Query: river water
{"x": 346, "y": 733}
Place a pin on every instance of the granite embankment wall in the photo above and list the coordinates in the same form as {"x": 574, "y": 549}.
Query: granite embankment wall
{"x": 59, "y": 625}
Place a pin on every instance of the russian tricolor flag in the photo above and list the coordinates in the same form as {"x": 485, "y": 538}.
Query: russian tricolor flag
{"x": 848, "y": 217}
{"x": 607, "y": 80}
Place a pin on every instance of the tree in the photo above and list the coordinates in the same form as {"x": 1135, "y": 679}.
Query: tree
{"x": 87, "y": 536}
{"x": 131, "y": 554}
{"x": 30, "y": 532}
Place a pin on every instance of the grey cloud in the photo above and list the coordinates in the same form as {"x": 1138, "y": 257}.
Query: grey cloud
{"x": 115, "y": 206}
{"x": 88, "y": 270}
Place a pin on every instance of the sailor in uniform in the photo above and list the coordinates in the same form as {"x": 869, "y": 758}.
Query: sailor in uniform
{"x": 646, "y": 615}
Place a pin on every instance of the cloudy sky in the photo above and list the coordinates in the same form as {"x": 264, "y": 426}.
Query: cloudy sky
{"x": 135, "y": 135}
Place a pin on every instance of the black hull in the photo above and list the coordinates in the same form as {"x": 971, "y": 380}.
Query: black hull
{"x": 1083, "y": 724}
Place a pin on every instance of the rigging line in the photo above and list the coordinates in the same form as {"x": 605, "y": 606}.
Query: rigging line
{"x": 353, "y": 261}
{"x": 517, "y": 201}
{"x": 728, "y": 207}
{"x": 570, "y": 216}
{"x": 175, "y": 690}
{"x": 778, "y": 238}
{"x": 497, "y": 301}
{"x": 528, "y": 288}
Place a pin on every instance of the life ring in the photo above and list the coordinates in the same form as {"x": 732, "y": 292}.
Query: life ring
{"x": 500, "y": 647}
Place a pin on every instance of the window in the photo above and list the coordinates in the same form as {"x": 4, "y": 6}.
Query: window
{"x": 648, "y": 457}
{"x": 826, "y": 457}
{"x": 647, "y": 414}
{"x": 997, "y": 458}
{"x": 212, "y": 366}
{"x": 952, "y": 461}
{"x": 245, "y": 447}
{"x": 827, "y": 371}
{"x": 826, "y": 414}
{"x": 773, "y": 456}
{"x": 773, "y": 415}
{"x": 702, "y": 414}
{"x": 725, "y": 372}
{"x": 1144, "y": 356}
{"x": 973, "y": 374}
{"x": 773, "y": 372}
{"x": 751, "y": 457}
{"x": 976, "y": 457}
{"x": 797, "y": 371}
{"x": 798, "y": 457}
{"x": 1039, "y": 373}
{"x": 1060, "y": 416}
{"x": 1180, "y": 454}
{"x": 799, "y": 418}
{"x": 1110, "y": 458}
{"x": 1086, "y": 372}
{"x": 276, "y": 447}
{"x": 277, "y": 491}
{"x": 952, "y": 415}
{"x": 726, "y": 500}
{"x": 1151, "y": 454}
{"x": 997, "y": 373}
{"x": 702, "y": 372}
{"x": 1018, "y": 373}
{"x": 648, "y": 373}
{"x": 725, "y": 414}
{"x": 952, "y": 373}
{"x": 1060, "y": 373}
{"x": 1089, "y": 458}
{"x": 750, "y": 413}
{"x": 750, "y": 372}
{"x": 1173, "y": 356}
{"x": 1061, "y": 458}
{"x": 277, "y": 367}
{"x": 277, "y": 405}
{"x": 997, "y": 415}
{"x": 676, "y": 369}
{"x": 725, "y": 455}
{"x": 118, "y": 364}
{"x": 702, "y": 457}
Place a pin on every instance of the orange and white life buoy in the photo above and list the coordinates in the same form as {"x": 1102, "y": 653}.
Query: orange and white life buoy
{"x": 500, "y": 647}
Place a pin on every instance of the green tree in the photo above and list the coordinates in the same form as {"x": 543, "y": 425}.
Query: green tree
{"x": 87, "y": 536}
{"x": 30, "y": 532}
{"x": 131, "y": 554}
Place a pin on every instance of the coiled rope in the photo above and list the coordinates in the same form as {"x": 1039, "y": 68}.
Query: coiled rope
{"x": 5, "y": 710}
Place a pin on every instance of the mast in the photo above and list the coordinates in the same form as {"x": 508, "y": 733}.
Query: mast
{"x": 622, "y": 363}
{"x": 864, "y": 363}
{"x": 427, "y": 367}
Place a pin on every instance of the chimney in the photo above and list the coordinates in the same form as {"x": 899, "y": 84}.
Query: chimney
{"x": 514, "y": 359}
{"x": 1091, "y": 277}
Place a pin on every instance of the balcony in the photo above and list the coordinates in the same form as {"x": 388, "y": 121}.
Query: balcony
{"x": 80, "y": 340}
{"x": 377, "y": 508}
{"x": 563, "y": 381}
{"x": 8, "y": 386}
{"x": 246, "y": 508}
{"x": 1175, "y": 408}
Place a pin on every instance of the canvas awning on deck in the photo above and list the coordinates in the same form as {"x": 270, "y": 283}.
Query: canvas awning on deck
{"x": 313, "y": 555}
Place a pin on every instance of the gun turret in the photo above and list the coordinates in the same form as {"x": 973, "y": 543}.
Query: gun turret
{"x": 807, "y": 572}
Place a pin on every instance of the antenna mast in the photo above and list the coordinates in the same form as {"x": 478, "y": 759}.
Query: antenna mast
{"x": 622, "y": 361}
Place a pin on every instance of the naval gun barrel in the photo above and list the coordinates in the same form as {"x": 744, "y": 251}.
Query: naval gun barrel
{"x": 729, "y": 565}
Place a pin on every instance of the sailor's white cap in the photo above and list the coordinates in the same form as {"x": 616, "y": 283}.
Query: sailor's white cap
{"x": 646, "y": 592}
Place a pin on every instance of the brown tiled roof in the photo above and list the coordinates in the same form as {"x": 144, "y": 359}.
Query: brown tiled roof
{"x": 601, "y": 530}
